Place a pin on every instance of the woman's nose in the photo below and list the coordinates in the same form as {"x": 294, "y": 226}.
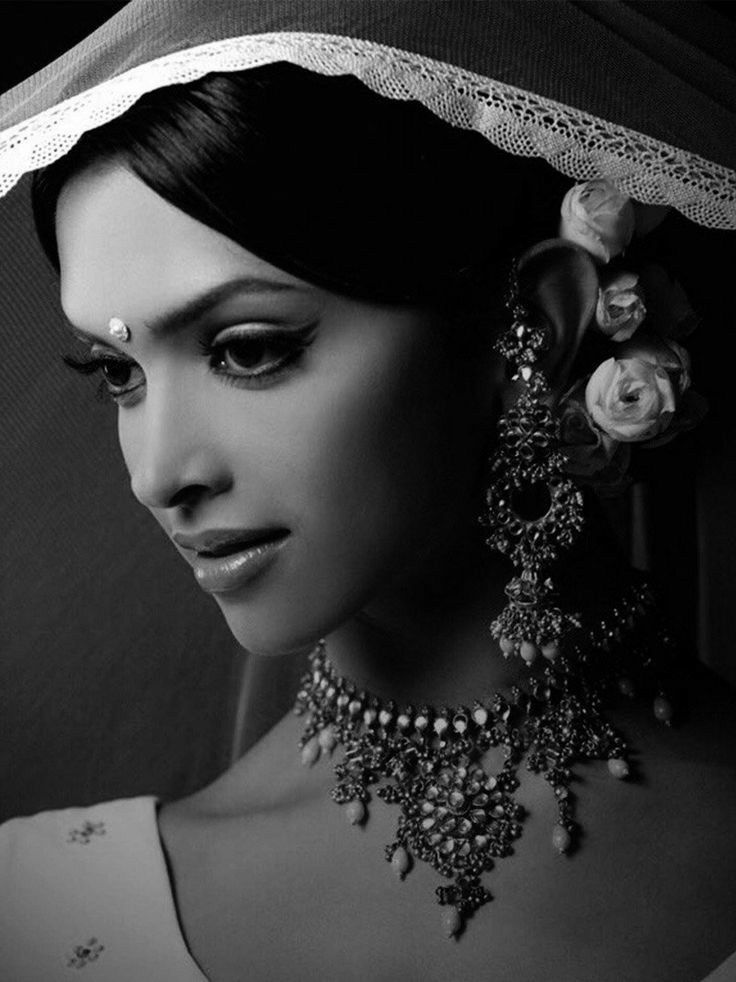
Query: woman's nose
{"x": 173, "y": 458}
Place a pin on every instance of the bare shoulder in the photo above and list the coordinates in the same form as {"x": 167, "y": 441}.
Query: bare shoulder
{"x": 268, "y": 776}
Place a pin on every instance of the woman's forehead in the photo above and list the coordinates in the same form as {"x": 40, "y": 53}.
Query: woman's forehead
{"x": 125, "y": 249}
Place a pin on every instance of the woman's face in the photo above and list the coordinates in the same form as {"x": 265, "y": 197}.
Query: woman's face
{"x": 306, "y": 452}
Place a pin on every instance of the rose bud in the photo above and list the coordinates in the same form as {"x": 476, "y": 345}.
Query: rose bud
{"x": 631, "y": 399}
{"x": 598, "y": 217}
{"x": 620, "y": 308}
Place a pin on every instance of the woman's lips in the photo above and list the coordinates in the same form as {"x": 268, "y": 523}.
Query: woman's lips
{"x": 225, "y": 562}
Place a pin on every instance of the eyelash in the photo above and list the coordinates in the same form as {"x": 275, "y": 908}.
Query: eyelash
{"x": 292, "y": 343}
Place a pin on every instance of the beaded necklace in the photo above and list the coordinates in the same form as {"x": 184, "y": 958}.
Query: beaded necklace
{"x": 453, "y": 814}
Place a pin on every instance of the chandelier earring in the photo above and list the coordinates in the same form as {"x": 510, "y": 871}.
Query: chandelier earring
{"x": 533, "y": 510}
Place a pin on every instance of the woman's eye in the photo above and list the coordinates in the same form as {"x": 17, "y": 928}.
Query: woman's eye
{"x": 117, "y": 373}
{"x": 259, "y": 354}
{"x": 119, "y": 376}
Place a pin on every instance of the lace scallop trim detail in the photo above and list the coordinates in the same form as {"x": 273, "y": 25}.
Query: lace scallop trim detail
{"x": 577, "y": 144}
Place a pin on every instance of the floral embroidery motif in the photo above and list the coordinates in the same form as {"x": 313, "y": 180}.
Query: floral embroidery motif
{"x": 86, "y": 832}
{"x": 83, "y": 954}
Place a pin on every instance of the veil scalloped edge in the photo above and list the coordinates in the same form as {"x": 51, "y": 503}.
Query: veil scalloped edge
{"x": 576, "y": 143}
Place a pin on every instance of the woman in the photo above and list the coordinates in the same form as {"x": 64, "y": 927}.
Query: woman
{"x": 302, "y": 354}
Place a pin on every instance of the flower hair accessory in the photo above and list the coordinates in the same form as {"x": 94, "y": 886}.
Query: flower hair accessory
{"x": 641, "y": 393}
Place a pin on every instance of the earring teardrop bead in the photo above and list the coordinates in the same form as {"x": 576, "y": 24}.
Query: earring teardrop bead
{"x": 327, "y": 739}
{"x": 528, "y": 651}
{"x": 618, "y": 767}
{"x": 663, "y": 710}
{"x": 626, "y": 687}
{"x": 460, "y": 722}
{"x": 452, "y": 921}
{"x": 311, "y": 752}
{"x": 400, "y": 862}
{"x": 561, "y": 838}
{"x": 355, "y": 811}
{"x": 480, "y": 715}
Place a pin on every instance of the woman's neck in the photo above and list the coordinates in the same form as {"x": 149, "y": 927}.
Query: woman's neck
{"x": 427, "y": 639}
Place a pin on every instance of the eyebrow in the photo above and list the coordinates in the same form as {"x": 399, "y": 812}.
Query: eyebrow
{"x": 194, "y": 308}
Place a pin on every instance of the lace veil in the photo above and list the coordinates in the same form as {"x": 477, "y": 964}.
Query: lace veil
{"x": 109, "y": 654}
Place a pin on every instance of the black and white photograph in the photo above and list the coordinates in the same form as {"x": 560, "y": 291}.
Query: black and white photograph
{"x": 368, "y": 491}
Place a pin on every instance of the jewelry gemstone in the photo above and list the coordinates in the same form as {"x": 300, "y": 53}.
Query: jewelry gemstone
{"x": 118, "y": 329}
{"x": 457, "y": 800}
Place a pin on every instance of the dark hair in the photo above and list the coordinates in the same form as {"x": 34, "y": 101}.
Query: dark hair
{"x": 327, "y": 180}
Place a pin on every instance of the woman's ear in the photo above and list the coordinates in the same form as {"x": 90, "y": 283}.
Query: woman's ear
{"x": 558, "y": 283}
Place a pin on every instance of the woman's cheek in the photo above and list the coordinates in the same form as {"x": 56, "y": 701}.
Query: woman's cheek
{"x": 371, "y": 475}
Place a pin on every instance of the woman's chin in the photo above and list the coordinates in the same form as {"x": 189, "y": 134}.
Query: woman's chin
{"x": 268, "y": 635}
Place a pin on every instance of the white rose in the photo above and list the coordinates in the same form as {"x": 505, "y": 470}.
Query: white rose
{"x": 598, "y": 217}
{"x": 631, "y": 399}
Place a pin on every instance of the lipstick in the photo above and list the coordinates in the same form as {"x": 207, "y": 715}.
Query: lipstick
{"x": 228, "y": 560}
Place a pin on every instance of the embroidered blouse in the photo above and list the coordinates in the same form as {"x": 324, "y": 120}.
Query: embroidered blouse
{"x": 86, "y": 892}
